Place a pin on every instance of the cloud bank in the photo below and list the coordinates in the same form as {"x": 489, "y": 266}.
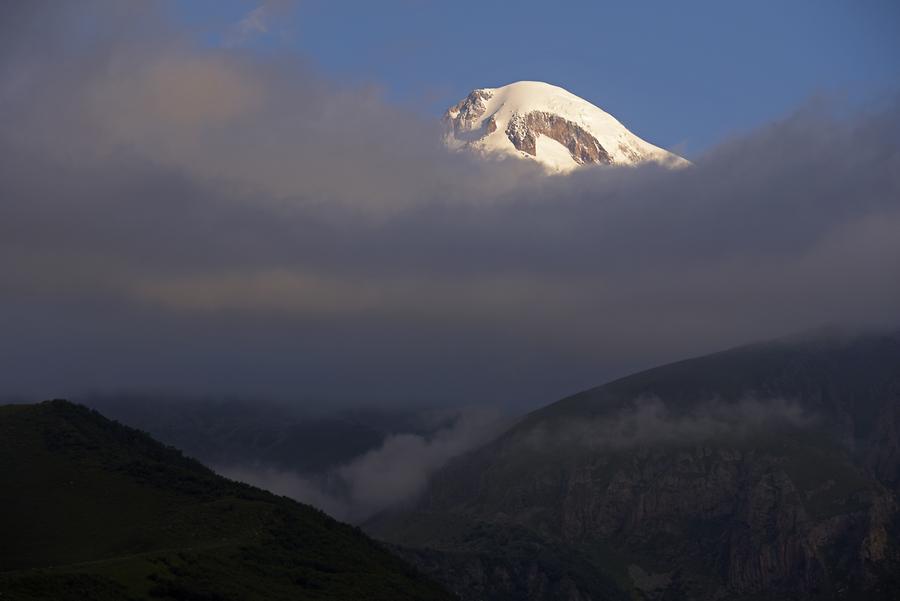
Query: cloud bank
{"x": 222, "y": 221}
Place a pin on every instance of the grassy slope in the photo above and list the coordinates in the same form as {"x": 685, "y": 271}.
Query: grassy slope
{"x": 92, "y": 509}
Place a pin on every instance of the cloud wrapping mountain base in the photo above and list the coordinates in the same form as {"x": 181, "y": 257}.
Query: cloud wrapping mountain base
{"x": 384, "y": 478}
{"x": 190, "y": 219}
{"x": 650, "y": 422}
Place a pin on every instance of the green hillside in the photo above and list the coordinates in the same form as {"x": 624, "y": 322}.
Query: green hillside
{"x": 90, "y": 509}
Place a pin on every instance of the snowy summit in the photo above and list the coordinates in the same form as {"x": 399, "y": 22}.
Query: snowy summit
{"x": 543, "y": 122}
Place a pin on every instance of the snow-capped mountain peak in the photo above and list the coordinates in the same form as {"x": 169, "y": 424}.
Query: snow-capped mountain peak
{"x": 543, "y": 122}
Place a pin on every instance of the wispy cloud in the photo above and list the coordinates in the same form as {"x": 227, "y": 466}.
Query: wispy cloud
{"x": 393, "y": 474}
{"x": 254, "y": 23}
{"x": 650, "y": 422}
{"x": 258, "y": 22}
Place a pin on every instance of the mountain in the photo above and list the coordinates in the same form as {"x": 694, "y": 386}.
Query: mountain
{"x": 91, "y": 509}
{"x": 277, "y": 435}
{"x": 539, "y": 121}
{"x": 770, "y": 471}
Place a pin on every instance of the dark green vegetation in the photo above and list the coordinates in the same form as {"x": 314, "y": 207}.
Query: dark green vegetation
{"x": 90, "y": 509}
{"x": 770, "y": 471}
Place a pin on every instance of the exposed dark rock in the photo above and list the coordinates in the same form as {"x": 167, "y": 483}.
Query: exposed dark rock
{"x": 464, "y": 115}
{"x": 523, "y": 131}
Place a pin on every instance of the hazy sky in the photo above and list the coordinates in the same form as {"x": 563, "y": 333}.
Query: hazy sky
{"x": 681, "y": 74}
{"x": 190, "y": 209}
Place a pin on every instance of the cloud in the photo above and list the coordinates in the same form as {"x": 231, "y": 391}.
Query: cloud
{"x": 649, "y": 421}
{"x": 223, "y": 221}
{"x": 258, "y": 21}
{"x": 253, "y": 23}
{"x": 391, "y": 475}
{"x": 397, "y": 472}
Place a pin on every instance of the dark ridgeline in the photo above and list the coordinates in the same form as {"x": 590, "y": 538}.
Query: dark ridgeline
{"x": 91, "y": 509}
{"x": 770, "y": 471}
{"x": 281, "y": 436}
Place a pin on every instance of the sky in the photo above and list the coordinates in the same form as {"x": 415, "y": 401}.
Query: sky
{"x": 220, "y": 205}
{"x": 684, "y": 75}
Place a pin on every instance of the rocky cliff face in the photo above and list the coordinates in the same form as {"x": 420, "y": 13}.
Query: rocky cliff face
{"x": 777, "y": 508}
{"x": 714, "y": 521}
{"x": 465, "y": 117}
{"x": 523, "y": 131}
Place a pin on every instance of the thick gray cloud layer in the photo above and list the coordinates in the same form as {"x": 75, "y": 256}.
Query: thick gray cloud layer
{"x": 200, "y": 220}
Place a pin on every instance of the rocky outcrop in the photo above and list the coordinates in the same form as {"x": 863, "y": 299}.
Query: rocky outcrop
{"x": 882, "y": 454}
{"x": 523, "y": 132}
{"x": 464, "y": 118}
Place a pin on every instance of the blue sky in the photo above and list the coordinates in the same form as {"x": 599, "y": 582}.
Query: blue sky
{"x": 685, "y": 75}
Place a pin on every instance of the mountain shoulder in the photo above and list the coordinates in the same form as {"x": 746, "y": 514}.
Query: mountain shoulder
{"x": 93, "y": 509}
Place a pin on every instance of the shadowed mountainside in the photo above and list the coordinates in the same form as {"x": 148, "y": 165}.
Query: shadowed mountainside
{"x": 769, "y": 471}
{"x": 91, "y": 509}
